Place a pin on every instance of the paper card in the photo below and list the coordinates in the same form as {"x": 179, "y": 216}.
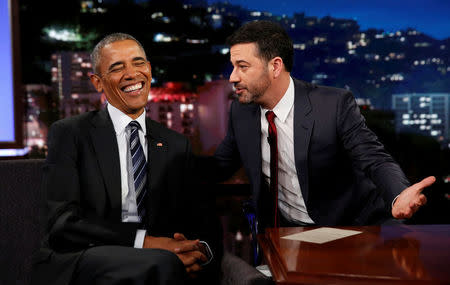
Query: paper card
{"x": 322, "y": 235}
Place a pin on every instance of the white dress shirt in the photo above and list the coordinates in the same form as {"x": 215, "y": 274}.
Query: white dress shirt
{"x": 129, "y": 206}
{"x": 290, "y": 198}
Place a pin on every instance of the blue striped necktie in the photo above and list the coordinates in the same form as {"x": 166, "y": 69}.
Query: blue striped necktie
{"x": 139, "y": 168}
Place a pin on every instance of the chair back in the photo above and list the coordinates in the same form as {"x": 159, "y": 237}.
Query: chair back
{"x": 20, "y": 231}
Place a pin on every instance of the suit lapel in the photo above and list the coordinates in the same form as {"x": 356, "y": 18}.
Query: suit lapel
{"x": 157, "y": 157}
{"x": 303, "y": 126}
{"x": 105, "y": 145}
{"x": 252, "y": 131}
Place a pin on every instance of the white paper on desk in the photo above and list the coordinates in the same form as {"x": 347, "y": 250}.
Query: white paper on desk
{"x": 322, "y": 235}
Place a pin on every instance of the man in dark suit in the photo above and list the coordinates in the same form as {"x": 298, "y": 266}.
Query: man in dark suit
{"x": 309, "y": 156}
{"x": 120, "y": 206}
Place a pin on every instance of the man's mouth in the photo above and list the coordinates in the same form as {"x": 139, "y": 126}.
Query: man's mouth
{"x": 131, "y": 88}
{"x": 239, "y": 89}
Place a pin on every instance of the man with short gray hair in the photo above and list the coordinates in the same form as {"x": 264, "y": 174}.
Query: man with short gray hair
{"x": 122, "y": 209}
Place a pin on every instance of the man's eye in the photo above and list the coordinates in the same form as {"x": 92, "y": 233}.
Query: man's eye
{"x": 140, "y": 63}
{"x": 115, "y": 70}
{"x": 243, "y": 66}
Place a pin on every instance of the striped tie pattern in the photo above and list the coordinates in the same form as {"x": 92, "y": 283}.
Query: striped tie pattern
{"x": 139, "y": 165}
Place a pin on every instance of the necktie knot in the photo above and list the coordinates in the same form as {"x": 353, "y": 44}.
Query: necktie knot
{"x": 134, "y": 125}
{"x": 270, "y": 116}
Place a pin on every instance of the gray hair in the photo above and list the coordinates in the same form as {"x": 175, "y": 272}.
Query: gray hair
{"x": 116, "y": 37}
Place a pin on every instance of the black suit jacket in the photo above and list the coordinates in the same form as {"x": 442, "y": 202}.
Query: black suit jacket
{"x": 83, "y": 183}
{"x": 346, "y": 176}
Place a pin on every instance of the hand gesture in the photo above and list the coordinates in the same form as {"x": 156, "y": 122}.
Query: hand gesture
{"x": 188, "y": 251}
{"x": 411, "y": 199}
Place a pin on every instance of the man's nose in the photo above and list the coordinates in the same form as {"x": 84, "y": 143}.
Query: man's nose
{"x": 234, "y": 77}
{"x": 130, "y": 72}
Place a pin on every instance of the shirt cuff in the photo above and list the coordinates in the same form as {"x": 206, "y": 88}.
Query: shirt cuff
{"x": 209, "y": 253}
{"x": 139, "y": 239}
{"x": 393, "y": 201}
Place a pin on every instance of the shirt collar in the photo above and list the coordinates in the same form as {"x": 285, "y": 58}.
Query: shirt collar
{"x": 121, "y": 120}
{"x": 284, "y": 106}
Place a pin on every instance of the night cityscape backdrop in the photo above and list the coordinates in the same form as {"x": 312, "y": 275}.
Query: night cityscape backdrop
{"x": 394, "y": 57}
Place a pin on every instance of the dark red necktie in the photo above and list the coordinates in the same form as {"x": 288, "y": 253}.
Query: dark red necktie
{"x": 270, "y": 115}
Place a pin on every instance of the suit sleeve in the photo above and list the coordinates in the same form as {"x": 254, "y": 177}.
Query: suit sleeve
{"x": 201, "y": 215}
{"x": 366, "y": 151}
{"x": 71, "y": 227}
{"x": 226, "y": 160}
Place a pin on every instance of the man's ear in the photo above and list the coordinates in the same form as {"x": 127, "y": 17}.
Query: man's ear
{"x": 97, "y": 82}
{"x": 277, "y": 66}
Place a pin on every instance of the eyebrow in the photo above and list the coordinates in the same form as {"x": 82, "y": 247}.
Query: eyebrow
{"x": 121, "y": 62}
{"x": 241, "y": 61}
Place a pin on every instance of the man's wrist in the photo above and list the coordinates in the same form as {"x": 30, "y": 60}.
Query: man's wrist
{"x": 207, "y": 251}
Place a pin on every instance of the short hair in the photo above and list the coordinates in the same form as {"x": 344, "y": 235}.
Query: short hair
{"x": 116, "y": 37}
{"x": 270, "y": 38}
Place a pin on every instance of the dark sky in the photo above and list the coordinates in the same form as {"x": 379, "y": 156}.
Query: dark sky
{"x": 429, "y": 16}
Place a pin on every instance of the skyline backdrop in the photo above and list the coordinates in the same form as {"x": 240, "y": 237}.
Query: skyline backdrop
{"x": 430, "y": 17}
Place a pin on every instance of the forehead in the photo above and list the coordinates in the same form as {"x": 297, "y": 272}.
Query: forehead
{"x": 120, "y": 51}
{"x": 244, "y": 52}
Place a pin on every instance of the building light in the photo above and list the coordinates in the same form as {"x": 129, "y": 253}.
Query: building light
{"x": 196, "y": 41}
{"x": 422, "y": 44}
{"x": 159, "y": 37}
{"x": 405, "y": 122}
{"x": 300, "y": 46}
{"x": 225, "y": 51}
{"x": 405, "y": 116}
{"x": 216, "y": 17}
{"x": 255, "y": 14}
{"x": 64, "y": 35}
{"x": 157, "y": 15}
{"x": 292, "y": 26}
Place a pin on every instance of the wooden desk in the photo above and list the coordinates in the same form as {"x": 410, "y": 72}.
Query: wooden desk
{"x": 380, "y": 255}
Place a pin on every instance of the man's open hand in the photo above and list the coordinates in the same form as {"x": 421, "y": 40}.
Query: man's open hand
{"x": 411, "y": 199}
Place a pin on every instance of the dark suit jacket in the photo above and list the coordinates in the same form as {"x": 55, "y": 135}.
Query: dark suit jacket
{"x": 346, "y": 176}
{"x": 83, "y": 182}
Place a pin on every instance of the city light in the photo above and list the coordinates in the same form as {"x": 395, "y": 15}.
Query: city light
{"x": 64, "y": 35}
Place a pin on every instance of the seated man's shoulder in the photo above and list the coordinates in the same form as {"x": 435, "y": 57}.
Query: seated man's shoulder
{"x": 75, "y": 122}
{"x": 329, "y": 91}
{"x": 159, "y": 130}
